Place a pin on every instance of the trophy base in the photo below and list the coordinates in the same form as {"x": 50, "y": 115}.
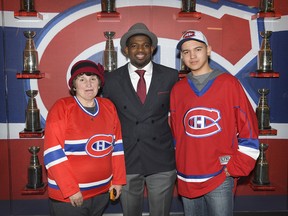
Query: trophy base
{"x": 270, "y": 131}
{"x": 31, "y": 134}
{"x": 37, "y": 191}
{"x": 108, "y": 16}
{"x": 30, "y": 75}
{"x": 267, "y": 15}
{"x": 264, "y": 74}
{"x": 257, "y": 187}
{"x": 31, "y": 72}
{"x": 189, "y": 15}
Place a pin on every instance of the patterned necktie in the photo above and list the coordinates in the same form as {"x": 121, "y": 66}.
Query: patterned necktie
{"x": 141, "y": 86}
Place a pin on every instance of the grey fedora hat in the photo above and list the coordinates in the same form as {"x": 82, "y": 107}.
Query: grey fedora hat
{"x": 138, "y": 28}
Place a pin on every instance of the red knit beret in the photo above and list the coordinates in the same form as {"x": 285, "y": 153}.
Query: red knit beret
{"x": 86, "y": 66}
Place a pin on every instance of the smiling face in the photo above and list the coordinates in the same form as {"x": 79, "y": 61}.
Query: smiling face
{"x": 195, "y": 55}
{"x": 86, "y": 88}
{"x": 139, "y": 50}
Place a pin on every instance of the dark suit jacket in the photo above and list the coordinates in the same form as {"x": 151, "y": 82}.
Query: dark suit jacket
{"x": 147, "y": 137}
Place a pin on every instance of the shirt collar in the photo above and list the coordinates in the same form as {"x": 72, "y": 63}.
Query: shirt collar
{"x": 147, "y": 68}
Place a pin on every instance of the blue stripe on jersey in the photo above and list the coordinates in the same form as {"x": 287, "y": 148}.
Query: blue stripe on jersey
{"x": 83, "y": 186}
{"x": 250, "y": 143}
{"x": 199, "y": 178}
{"x": 118, "y": 146}
{"x": 74, "y": 147}
{"x": 54, "y": 155}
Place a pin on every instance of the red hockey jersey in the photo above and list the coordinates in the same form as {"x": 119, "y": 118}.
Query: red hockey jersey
{"x": 213, "y": 128}
{"x": 83, "y": 150}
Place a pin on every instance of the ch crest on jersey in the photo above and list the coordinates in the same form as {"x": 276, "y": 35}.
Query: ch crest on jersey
{"x": 202, "y": 122}
{"x": 99, "y": 145}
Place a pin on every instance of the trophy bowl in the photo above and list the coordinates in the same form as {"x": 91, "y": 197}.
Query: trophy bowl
{"x": 109, "y": 34}
{"x": 31, "y": 93}
{"x": 263, "y": 91}
{"x": 29, "y": 34}
{"x": 34, "y": 149}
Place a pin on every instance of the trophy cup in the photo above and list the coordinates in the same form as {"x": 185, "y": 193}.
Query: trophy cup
{"x": 27, "y": 6}
{"x": 264, "y": 63}
{"x": 108, "y": 6}
{"x": 266, "y": 6}
{"x": 34, "y": 169}
{"x": 261, "y": 173}
{"x": 110, "y": 55}
{"x": 263, "y": 110}
{"x": 188, "y": 6}
{"x": 32, "y": 113}
{"x": 30, "y": 54}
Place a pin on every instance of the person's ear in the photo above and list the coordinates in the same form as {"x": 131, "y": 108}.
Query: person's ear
{"x": 209, "y": 50}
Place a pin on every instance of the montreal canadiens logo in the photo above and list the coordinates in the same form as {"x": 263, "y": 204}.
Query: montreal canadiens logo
{"x": 99, "y": 145}
{"x": 189, "y": 34}
{"x": 202, "y": 122}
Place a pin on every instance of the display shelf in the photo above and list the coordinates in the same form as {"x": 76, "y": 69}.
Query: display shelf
{"x": 267, "y": 132}
{"x": 32, "y": 134}
{"x": 188, "y": 16}
{"x": 23, "y": 15}
{"x": 30, "y": 75}
{"x": 261, "y": 74}
{"x": 37, "y": 191}
{"x": 266, "y": 15}
{"x": 111, "y": 16}
{"x": 257, "y": 187}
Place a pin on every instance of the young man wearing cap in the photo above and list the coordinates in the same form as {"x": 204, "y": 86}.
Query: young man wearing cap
{"x": 81, "y": 170}
{"x": 215, "y": 131}
{"x": 147, "y": 138}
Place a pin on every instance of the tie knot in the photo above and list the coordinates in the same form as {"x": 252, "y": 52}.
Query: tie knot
{"x": 140, "y": 72}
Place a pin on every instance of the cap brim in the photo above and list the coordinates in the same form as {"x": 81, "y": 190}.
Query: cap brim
{"x": 179, "y": 45}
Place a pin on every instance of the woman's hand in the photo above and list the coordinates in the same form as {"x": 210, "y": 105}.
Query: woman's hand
{"x": 118, "y": 189}
{"x": 76, "y": 199}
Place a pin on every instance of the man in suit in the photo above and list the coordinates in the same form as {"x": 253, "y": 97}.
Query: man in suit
{"x": 147, "y": 138}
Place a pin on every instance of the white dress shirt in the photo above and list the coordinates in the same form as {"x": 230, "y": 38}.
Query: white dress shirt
{"x": 135, "y": 77}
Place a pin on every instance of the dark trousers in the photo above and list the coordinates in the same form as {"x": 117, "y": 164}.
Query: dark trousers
{"x": 160, "y": 188}
{"x": 94, "y": 206}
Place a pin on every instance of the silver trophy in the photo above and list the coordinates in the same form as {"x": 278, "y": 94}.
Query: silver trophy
{"x": 108, "y": 6}
{"x": 27, "y": 6}
{"x": 30, "y": 54}
{"x": 264, "y": 63}
{"x": 266, "y": 6}
{"x": 34, "y": 169}
{"x": 263, "y": 110}
{"x": 110, "y": 54}
{"x": 32, "y": 113}
{"x": 261, "y": 171}
{"x": 188, "y": 6}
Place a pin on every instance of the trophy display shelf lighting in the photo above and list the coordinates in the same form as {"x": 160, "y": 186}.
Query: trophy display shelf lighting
{"x": 23, "y": 15}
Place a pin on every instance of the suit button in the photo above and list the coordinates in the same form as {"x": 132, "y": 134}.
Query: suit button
{"x": 138, "y": 140}
{"x": 124, "y": 107}
{"x": 152, "y": 121}
{"x": 137, "y": 122}
{"x": 154, "y": 138}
